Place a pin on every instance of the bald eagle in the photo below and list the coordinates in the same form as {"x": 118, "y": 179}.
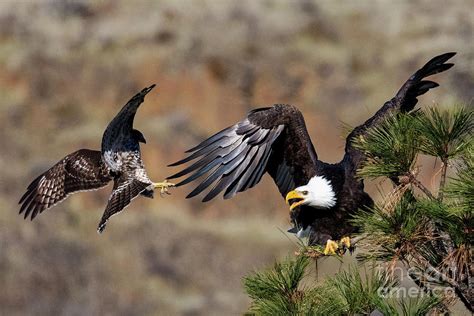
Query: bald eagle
{"x": 85, "y": 170}
{"x": 274, "y": 140}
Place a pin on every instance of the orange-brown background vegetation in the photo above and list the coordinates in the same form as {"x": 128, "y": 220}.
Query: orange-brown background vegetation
{"x": 67, "y": 67}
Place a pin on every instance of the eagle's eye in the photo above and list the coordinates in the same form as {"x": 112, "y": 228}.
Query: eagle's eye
{"x": 305, "y": 192}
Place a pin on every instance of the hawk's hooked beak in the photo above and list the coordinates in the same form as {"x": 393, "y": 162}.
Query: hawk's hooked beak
{"x": 142, "y": 139}
{"x": 294, "y": 195}
{"x": 138, "y": 136}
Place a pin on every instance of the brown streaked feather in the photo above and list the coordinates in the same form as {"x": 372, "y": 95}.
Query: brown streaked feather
{"x": 79, "y": 171}
{"x": 126, "y": 188}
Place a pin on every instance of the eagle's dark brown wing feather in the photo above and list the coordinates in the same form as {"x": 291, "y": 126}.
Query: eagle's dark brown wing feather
{"x": 404, "y": 101}
{"x": 126, "y": 188}
{"x": 79, "y": 171}
{"x": 272, "y": 139}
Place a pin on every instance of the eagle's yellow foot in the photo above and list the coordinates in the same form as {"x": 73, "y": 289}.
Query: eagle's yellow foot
{"x": 331, "y": 247}
{"x": 163, "y": 186}
{"x": 346, "y": 242}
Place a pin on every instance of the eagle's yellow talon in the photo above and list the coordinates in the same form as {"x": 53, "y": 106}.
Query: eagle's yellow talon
{"x": 331, "y": 247}
{"x": 346, "y": 242}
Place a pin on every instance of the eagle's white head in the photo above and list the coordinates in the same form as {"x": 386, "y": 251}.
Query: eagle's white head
{"x": 318, "y": 193}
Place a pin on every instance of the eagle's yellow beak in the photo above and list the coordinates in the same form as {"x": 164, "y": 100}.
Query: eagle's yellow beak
{"x": 294, "y": 195}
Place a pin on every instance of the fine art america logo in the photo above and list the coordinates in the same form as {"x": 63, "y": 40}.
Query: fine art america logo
{"x": 432, "y": 280}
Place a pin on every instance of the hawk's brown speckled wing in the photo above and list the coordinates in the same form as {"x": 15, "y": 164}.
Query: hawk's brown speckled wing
{"x": 80, "y": 171}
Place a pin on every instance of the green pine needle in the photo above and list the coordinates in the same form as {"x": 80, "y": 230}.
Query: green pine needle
{"x": 362, "y": 295}
{"x": 349, "y": 292}
{"x": 446, "y": 134}
{"x": 418, "y": 306}
{"x": 390, "y": 147}
{"x": 276, "y": 289}
{"x": 460, "y": 190}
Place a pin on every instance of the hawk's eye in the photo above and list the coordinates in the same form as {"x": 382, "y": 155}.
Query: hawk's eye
{"x": 305, "y": 192}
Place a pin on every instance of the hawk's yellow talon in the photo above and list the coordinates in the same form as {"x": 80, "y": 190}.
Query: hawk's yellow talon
{"x": 163, "y": 186}
{"x": 331, "y": 247}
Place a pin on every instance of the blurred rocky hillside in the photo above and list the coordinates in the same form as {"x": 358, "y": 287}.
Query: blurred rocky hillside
{"x": 67, "y": 67}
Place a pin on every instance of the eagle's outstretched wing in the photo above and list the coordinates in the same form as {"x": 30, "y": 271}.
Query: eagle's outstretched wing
{"x": 126, "y": 188}
{"x": 404, "y": 101}
{"x": 273, "y": 140}
{"x": 80, "y": 171}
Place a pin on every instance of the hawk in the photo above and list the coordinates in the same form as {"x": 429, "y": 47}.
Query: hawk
{"x": 84, "y": 170}
{"x": 274, "y": 140}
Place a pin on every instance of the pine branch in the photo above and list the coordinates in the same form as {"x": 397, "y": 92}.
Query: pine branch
{"x": 463, "y": 291}
{"x": 422, "y": 284}
{"x": 442, "y": 181}
{"x": 420, "y": 185}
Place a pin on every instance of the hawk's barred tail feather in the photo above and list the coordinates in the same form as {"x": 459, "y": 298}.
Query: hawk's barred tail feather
{"x": 124, "y": 191}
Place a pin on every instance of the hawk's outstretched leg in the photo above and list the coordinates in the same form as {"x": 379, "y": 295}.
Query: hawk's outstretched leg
{"x": 163, "y": 186}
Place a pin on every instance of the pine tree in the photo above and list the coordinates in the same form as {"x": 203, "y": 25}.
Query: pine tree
{"x": 430, "y": 233}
